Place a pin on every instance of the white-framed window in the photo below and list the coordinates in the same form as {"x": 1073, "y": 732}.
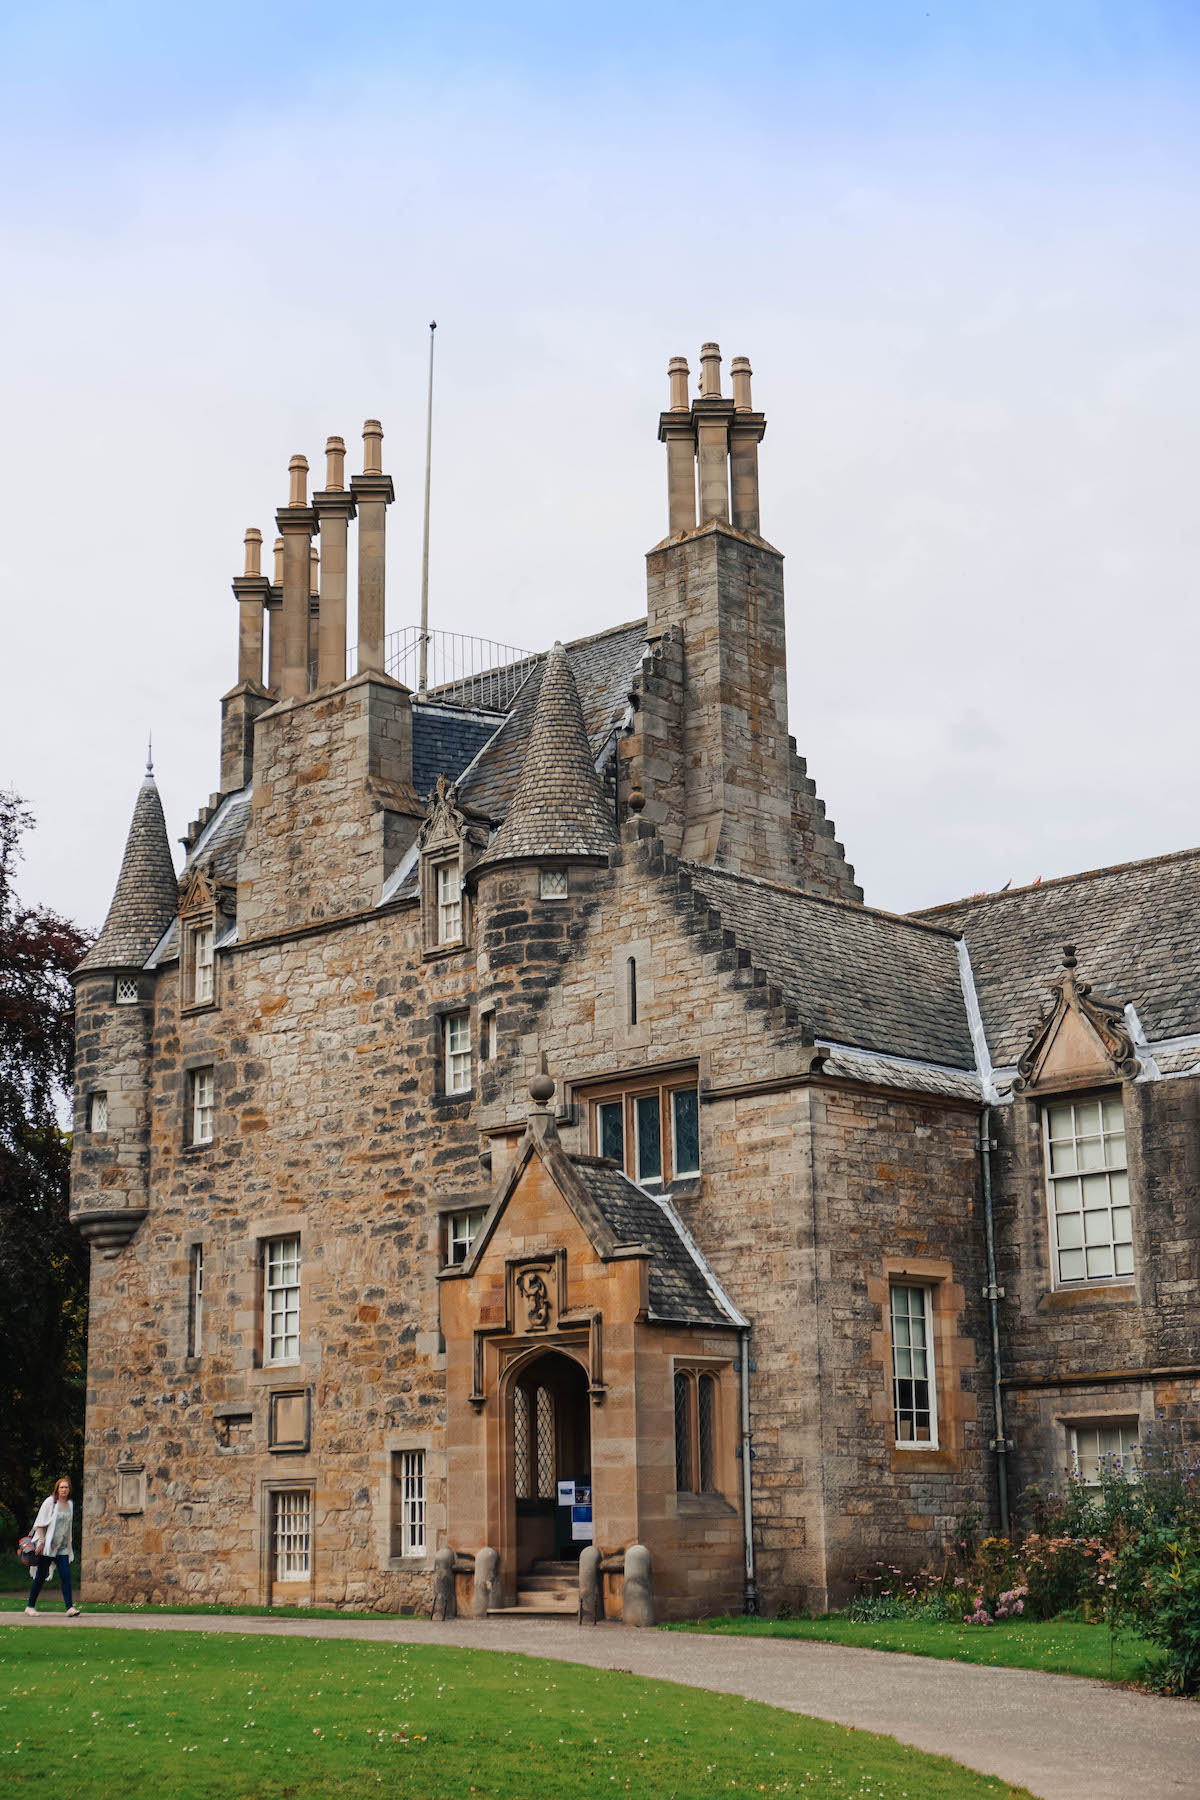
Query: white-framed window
{"x": 410, "y": 1483}
{"x": 202, "y": 964}
{"x": 461, "y": 1230}
{"x": 127, "y": 990}
{"x": 281, "y": 1300}
{"x": 458, "y": 1052}
{"x": 292, "y": 1533}
{"x": 914, "y": 1387}
{"x": 1087, "y": 1182}
{"x": 1112, "y": 1445}
{"x": 97, "y": 1113}
{"x": 553, "y": 884}
{"x": 195, "y": 1300}
{"x": 448, "y": 900}
{"x": 202, "y": 1107}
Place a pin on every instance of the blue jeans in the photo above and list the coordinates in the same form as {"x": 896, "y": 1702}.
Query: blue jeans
{"x": 42, "y": 1571}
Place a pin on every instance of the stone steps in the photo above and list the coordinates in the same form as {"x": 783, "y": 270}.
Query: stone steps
{"x": 550, "y": 1590}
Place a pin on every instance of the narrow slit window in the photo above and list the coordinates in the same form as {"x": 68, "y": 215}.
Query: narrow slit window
{"x": 98, "y": 1114}
{"x": 202, "y": 1106}
{"x": 412, "y": 1503}
{"x": 196, "y": 1300}
{"x": 914, "y": 1399}
{"x": 631, "y": 989}
{"x": 458, "y": 1053}
{"x": 293, "y": 1534}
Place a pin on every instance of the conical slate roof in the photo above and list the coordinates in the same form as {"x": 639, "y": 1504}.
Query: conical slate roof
{"x": 559, "y": 807}
{"x": 146, "y": 899}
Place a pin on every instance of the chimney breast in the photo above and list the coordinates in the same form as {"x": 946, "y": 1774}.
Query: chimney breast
{"x": 298, "y": 489}
{"x": 253, "y": 542}
{"x": 372, "y": 447}
{"x": 335, "y": 463}
{"x": 710, "y": 371}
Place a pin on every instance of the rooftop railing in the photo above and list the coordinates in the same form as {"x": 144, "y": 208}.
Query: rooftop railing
{"x": 471, "y": 672}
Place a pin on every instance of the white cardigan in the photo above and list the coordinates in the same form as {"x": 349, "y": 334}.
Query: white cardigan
{"x": 45, "y": 1524}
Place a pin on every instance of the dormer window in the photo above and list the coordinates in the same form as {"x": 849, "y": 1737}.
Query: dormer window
{"x": 448, "y": 890}
{"x": 202, "y": 964}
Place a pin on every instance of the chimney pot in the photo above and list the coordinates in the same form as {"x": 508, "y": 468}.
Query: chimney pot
{"x": 372, "y": 447}
{"x": 710, "y": 371}
{"x": 335, "y": 463}
{"x": 741, "y": 371}
{"x": 278, "y": 547}
{"x": 298, "y": 471}
{"x": 253, "y": 542}
{"x": 677, "y": 374}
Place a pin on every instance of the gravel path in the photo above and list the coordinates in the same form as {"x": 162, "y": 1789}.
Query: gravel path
{"x": 1060, "y": 1737}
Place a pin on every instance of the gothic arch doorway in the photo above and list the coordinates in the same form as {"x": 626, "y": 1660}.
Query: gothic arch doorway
{"x": 551, "y": 1444}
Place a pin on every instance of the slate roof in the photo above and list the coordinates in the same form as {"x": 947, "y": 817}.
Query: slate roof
{"x": 146, "y": 898}
{"x": 855, "y": 976}
{"x": 558, "y": 807}
{"x": 604, "y": 667}
{"x": 679, "y": 1290}
{"x": 1136, "y": 936}
{"x": 445, "y": 739}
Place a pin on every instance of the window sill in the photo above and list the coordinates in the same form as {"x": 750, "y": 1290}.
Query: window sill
{"x": 405, "y": 1565}
{"x": 467, "y": 1094}
{"x": 196, "y": 1006}
{"x": 924, "y": 1458}
{"x": 198, "y": 1149}
{"x": 1122, "y": 1292}
{"x": 432, "y": 952}
{"x": 703, "y": 1506}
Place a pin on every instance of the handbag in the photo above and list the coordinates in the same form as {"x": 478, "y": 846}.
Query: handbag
{"x": 27, "y": 1551}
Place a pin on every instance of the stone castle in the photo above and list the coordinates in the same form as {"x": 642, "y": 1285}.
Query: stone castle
{"x": 521, "y": 1172}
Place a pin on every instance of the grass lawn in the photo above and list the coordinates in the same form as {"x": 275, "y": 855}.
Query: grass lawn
{"x": 1056, "y": 1646}
{"x": 96, "y": 1714}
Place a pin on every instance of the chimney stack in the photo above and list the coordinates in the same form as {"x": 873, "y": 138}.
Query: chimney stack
{"x": 712, "y": 446}
{"x": 372, "y": 493}
{"x": 297, "y": 522}
{"x": 745, "y": 434}
{"x": 711, "y": 415}
{"x": 335, "y": 509}
{"x": 251, "y": 591}
{"x": 676, "y": 430}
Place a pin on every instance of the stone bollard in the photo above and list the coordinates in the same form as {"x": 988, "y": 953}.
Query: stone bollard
{"x": 591, "y": 1604}
{"x": 445, "y": 1601}
{"x": 487, "y": 1574}
{"x": 637, "y": 1607}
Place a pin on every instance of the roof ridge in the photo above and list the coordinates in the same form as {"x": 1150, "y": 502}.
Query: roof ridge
{"x": 1035, "y": 887}
{"x": 848, "y": 906}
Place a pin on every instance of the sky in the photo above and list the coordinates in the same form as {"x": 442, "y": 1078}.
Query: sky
{"x": 958, "y": 243}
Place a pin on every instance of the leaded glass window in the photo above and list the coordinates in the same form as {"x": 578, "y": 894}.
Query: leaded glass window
{"x": 683, "y": 1433}
{"x": 545, "y": 1445}
{"x": 652, "y": 1131}
{"x": 706, "y": 1396}
{"x": 522, "y": 1444}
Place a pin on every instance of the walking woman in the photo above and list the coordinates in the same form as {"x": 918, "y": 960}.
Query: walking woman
{"x": 52, "y": 1530}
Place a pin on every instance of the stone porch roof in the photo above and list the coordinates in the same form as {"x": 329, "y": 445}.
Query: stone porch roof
{"x": 146, "y": 897}
{"x": 1134, "y": 927}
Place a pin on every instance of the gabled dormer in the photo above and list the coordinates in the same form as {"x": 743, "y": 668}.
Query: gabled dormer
{"x": 206, "y": 911}
{"x": 449, "y": 842}
{"x": 1079, "y": 1041}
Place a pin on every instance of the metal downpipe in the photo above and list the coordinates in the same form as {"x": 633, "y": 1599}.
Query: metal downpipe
{"x": 994, "y": 1295}
{"x": 750, "y": 1595}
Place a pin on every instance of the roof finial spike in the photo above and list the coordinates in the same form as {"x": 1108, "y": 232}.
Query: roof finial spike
{"x": 150, "y": 756}
{"x": 1070, "y": 960}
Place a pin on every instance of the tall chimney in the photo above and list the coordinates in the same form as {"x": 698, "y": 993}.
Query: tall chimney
{"x": 251, "y": 591}
{"x": 335, "y": 509}
{"x": 372, "y": 493}
{"x": 711, "y": 415}
{"x": 242, "y": 705}
{"x": 676, "y": 431}
{"x": 274, "y": 605}
{"x": 297, "y": 522}
{"x": 745, "y": 434}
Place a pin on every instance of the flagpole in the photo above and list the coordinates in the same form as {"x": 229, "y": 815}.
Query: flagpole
{"x": 423, "y": 674}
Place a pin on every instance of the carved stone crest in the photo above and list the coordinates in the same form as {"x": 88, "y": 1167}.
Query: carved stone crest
{"x": 533, "y": 1289}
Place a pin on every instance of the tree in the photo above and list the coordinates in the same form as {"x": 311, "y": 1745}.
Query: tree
{"x": 43, "y": 1262}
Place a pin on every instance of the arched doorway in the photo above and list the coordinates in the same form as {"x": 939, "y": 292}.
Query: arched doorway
{"x": 551, "y": 1444}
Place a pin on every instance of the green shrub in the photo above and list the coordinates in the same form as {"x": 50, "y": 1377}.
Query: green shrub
{"x": 1155, "y": 1590}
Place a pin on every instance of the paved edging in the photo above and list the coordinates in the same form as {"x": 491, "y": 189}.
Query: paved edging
{"x": 1062, "y": 1737}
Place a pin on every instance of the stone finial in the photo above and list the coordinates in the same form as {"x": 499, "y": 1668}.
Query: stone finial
{"x": 741, "y": 371}
{"x": 636, "y": 801}
{"x": 253, "y": 543}
{"x": 710, "y": 371}
{"x": 541, "y": 1088}
{"x": 1070, "y": 960}
{"x": 298, "y": 479}
{"x": 278, "y": 552}
{"x": 372, "y": 447}
{"x": 314, "y": 571}
{"x": 678, "y": 373}
{"x": 335, "y": 463}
